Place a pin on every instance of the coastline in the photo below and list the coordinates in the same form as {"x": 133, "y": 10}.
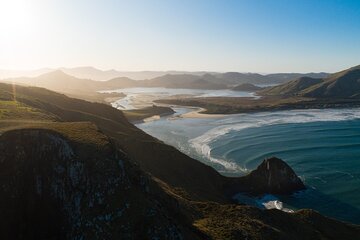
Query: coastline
{"x": 145, "y": 104}
{"x": 199, "y": 112}
{"x": 147, "y": 114}
{"x": 234, "y": 105}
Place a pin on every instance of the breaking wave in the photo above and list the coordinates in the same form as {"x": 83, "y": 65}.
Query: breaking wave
{"x": 266, "y": 201}
{"x": 238, "y": 122}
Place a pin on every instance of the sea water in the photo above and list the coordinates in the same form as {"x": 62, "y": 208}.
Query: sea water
{"x": 322, "y": 146}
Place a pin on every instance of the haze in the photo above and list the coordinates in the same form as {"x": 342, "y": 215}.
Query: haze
{"x": 245, "y": 36}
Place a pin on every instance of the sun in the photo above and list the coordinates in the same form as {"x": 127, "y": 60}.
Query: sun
{"x": 15, "y": 16}
{"x": 19, "y": 22}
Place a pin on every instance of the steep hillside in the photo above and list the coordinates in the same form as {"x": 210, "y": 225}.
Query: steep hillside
{"x": 54, "y": 187}
{"x": 165, "y": 162}
{"x": 292, "y": 88}
{"x": 85, "y": 171}
{"x": 345, "y": 84}
{"x": 341, "y": 85}
{"x": 285, "y": 77}
{"x": 57, "y": 186}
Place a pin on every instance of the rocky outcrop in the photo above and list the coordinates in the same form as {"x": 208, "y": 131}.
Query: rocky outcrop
{"x": 65, "y": 179}
{"x": 273, "y": 175}
{"x": 52, "y": 188}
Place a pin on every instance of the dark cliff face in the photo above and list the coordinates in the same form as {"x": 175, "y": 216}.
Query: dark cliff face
{"x": 61, "y": 177}
{"x": 51, "y": 188}
{"x": 274, "y": 176}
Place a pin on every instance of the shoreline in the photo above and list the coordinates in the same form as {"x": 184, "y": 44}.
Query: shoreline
{"x": 147, "y": 114}
{"x": 198, "y": 112}
{"x": 146, "y": 102}
{"x": 221, "y": 106}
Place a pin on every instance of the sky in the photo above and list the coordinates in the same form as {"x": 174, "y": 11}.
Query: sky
{"x": 193, "y": 35}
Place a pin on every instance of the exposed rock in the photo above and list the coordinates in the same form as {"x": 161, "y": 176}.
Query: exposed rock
{"x": 273, "y": 175}
{"x": 65, "y": 179}
{"x": 51, "y": 188}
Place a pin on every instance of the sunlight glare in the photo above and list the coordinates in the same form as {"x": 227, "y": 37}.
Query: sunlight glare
{"x": 16, "y": 16}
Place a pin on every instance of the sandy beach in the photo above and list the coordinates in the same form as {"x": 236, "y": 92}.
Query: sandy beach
{"x": 140, "y": 101}
{"x": 198, "y": 113}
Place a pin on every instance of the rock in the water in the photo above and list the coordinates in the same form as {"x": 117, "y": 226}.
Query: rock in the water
{"x": 273, "y": 175}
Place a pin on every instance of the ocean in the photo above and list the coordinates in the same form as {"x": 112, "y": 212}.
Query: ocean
{"x": 322, "y": 146}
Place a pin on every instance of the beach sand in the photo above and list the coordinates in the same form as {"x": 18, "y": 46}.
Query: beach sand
{"x": 197, "y": 113}
{"x": 146, "y": 100}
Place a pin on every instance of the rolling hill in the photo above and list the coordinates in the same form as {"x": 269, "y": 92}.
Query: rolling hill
{"x": 75, "y": 169}
{"x": 341, "y": 85}
{"x": 78, "y": 81}
{"x": 248, "y": 87}
{"x": 88, "y": 72}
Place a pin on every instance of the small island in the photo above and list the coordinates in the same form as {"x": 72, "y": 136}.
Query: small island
{"x": 139, "y": 115}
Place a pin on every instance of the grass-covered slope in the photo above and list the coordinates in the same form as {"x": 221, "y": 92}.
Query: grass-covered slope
{"x": 75, "y": 87}
{"x": 341, "y": 85}
{"x": 244, "y": 222}
{"x": 135, "y": 115}
{"x": 69, "y": 181}
{"x": 345, "y": 84}
{"x": 77, "y": 169}
{"x": 292, "y": 88}
{"x": 163, "y": 161}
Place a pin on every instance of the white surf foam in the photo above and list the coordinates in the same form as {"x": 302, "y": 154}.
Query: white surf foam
{"x": 266, "y": 201}
{"x": 269, "y": 201}
{"x": 239, "y": 122}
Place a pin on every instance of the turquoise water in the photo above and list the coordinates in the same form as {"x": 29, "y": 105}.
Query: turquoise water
{"x": 325, "y": 154}
{"x": 322, "y": 146}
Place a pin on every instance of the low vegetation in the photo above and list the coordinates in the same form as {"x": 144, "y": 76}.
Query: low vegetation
{"x": 339, "y": 90}
{"x": 168, "y": 193}
{"x": 136, "y": 115}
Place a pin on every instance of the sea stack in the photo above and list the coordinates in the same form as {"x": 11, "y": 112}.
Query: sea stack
{"x": 273, "y": 175}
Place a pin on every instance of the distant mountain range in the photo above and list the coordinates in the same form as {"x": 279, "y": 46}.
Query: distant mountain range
{"x": 344, "y": 84}
{"x": 63, "y": 82}
{"x": 100, "y": 75}
{"x": 94, "y": 73}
